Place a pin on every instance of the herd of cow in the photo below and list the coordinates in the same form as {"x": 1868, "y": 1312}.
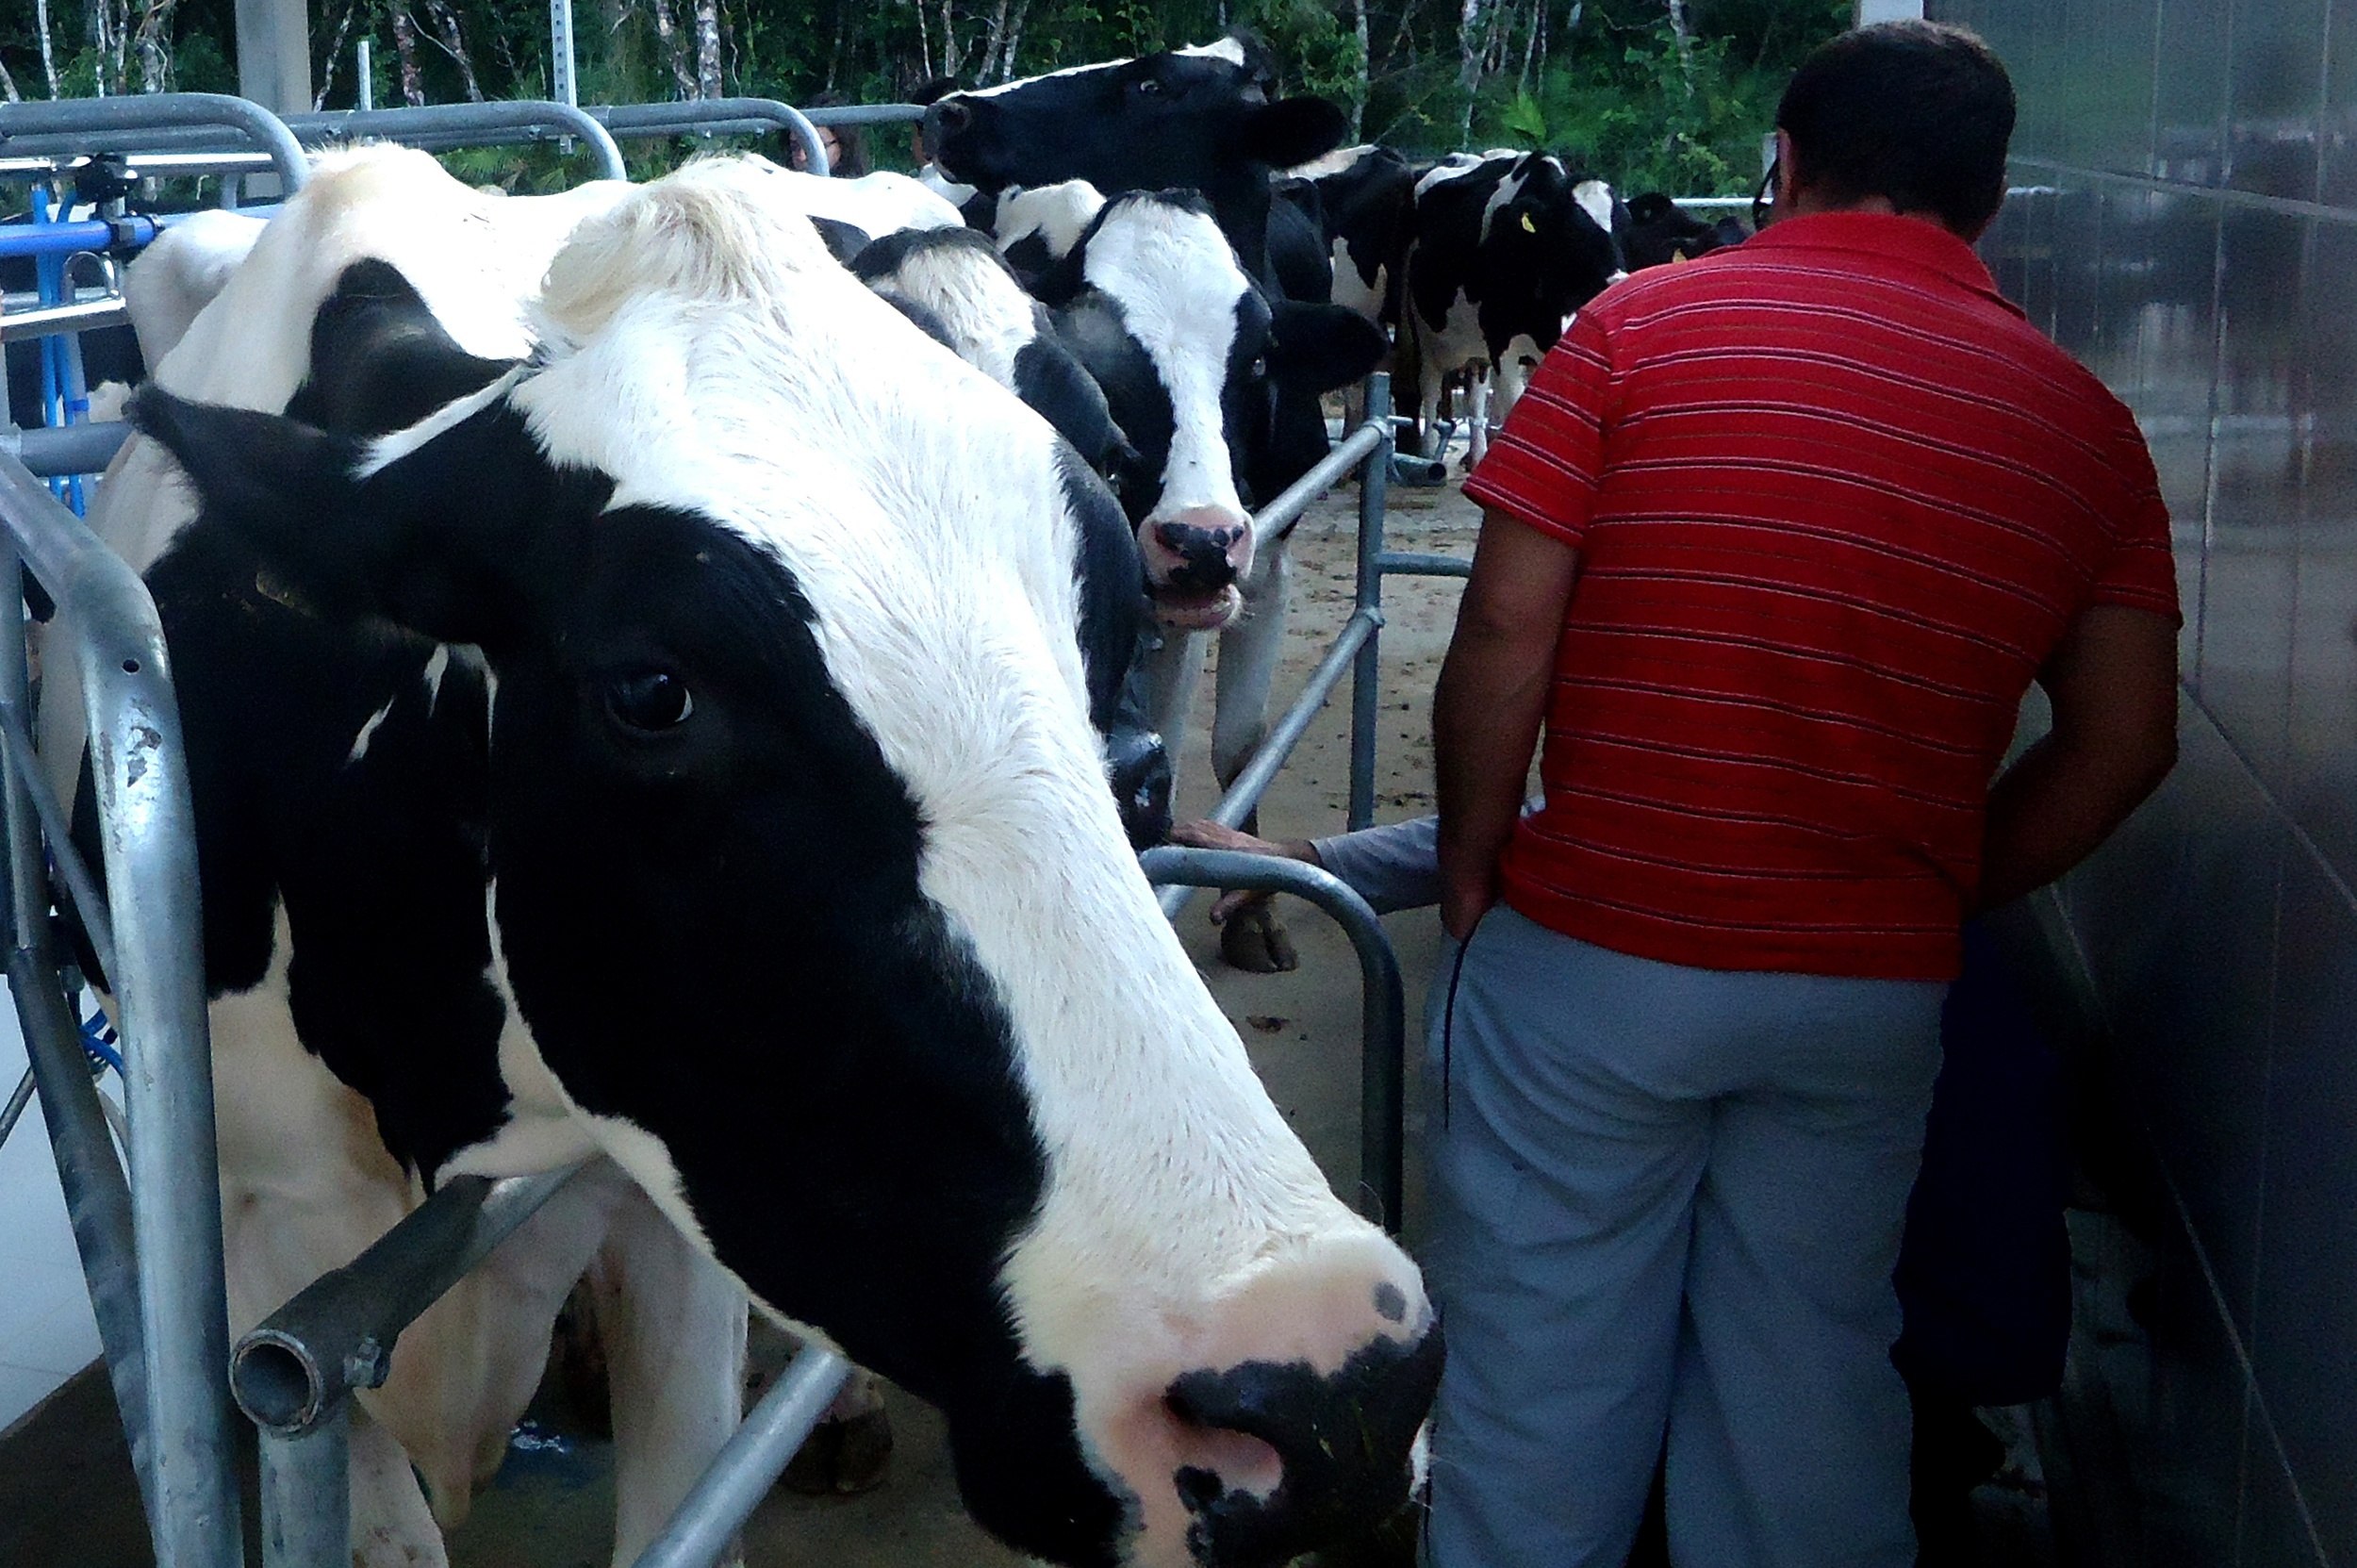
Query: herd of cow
{"x": 648, "y": 704}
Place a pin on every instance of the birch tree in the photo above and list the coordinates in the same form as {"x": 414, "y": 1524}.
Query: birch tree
{"x": 675, "y": 48}
{"x": 453, "y": 43}
{"x": 1473, "y": 43}
{"x": 153, "y": 41}
{"x": 708, "y": 48}
{"x": 48, "y": 48}
{"x": 8, "y": 86}
{"x": 405, "y": 47}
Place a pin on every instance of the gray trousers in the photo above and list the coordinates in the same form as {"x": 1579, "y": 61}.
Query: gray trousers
{"x": 1666, "y": 1202}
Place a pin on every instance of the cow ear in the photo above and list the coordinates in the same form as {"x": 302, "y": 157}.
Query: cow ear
{"x": 1291, "y": 131}
{"x": 334, "y": 543}
{"x": 1318, "y": 348}
{"x": 244, "y": 464}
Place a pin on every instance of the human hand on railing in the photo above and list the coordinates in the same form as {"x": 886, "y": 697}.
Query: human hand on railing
{"x": 1211, "y": 835}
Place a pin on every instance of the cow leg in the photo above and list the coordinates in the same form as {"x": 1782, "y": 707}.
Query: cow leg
{"x": 672, "y": 1323}
{"x": 1430, "y": 376}
{"x": 1253, "y": 939}
{"x": 1477, "y": 417}
{"x": 1171, "y": 673}
{"x": 391, "y": 1525}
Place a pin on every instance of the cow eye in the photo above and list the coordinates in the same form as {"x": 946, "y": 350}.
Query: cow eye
{"x": 1147, "y": 84}
{"x": 649, "y": 702}
{"x": 1259, "y": 367}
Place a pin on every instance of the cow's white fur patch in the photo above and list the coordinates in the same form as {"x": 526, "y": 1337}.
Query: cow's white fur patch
{"x": 1058, "y": 213}
{"x": 989, "y": 315}
{"x": 1178, "y": 282}
{"x": 1595, "y": 199}
{"x": 1228, "y": 49}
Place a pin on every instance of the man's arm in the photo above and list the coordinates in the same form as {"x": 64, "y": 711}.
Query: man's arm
{"x": 1490, "y": 699}
{"x": 2113, "y": 682}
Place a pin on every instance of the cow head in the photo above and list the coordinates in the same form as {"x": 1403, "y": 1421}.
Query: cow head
{"x": 1193, "y": 359}
{"x": 1198, "y": 118}
{"x": 1553, "y": 232}
{"x": 789, "y": 709}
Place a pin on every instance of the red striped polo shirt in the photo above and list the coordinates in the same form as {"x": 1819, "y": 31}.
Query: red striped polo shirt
{"x": 1835, "y": 502}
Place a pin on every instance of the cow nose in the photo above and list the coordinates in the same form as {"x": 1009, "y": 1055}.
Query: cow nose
{"x": 1308, "y": 1442}
{"x": 1203, "y": 548}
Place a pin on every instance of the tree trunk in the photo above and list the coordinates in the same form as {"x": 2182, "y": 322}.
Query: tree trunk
{"x": 117, "y": 44}
{"x": 924, "y": 41}
{"x": 155, "y": 45}
{"x": 1014, "y": 41}
{"x": 453, "y": 43}
{"x": 1472, "y": 43}
{"x": 1684, "y": 35}
{"x": 708, "y": 48}
{"x": 993, "y": 40}
{"x": 405, "y": 45}
{"x": 98, "y": 44}
{"x": 1359, "y": 100}
{"x": 48, "y": 50}
{"x": 8, "y": 86}
{"x": 951, "y": 55}
{"x": 335, "y": 51}
{"x": 675, "y": 48}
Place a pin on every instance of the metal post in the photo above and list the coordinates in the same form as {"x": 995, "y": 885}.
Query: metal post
{"x": 748, "y": 1464}
{"x": 337, "y": 1333}
{"x": 1366, "y": 671}
{"x": 275, "y": 54}
{"x": 307, "y": 1495}
{"x": 1383, "y": 1010}
{"x": 565, "y": 88}
{"x": 138, "y": 776}
{"x": 365, "y": 67}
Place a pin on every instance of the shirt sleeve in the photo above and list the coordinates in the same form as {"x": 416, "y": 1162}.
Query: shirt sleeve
{"x": 1544, "y": 464}
{"x": 1394, "y": 867}
{"x": 2140, "y": 571}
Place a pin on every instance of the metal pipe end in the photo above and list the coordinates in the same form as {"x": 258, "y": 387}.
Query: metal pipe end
{"x": 277, "y": 1383}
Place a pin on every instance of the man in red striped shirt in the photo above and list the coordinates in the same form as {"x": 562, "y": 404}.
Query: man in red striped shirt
{"x": 1774, "y": 544}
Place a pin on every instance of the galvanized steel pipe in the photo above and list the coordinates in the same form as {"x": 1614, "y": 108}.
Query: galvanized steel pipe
{"x": 338, "y": 1332}
{"x": 748, "y": 1464}
{"x": 154, "y": 121}
{"x": 1383, "y": 1009}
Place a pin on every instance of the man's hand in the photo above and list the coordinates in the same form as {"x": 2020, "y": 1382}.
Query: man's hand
{"x": 1211, "y": 835}
{"x": 1487, "y": 708}
{"x": 2113, "y": 680}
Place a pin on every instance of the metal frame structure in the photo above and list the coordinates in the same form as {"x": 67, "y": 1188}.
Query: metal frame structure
{"x": 150, "y": 1242}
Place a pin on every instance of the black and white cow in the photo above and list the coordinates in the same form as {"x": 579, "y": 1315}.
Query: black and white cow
{"x": 1367, "y": 201}
{"x": 781, "y": 690}
{"x": 1037, "y": 226}
{"x": 1659, "y": 233}
{"x": 1201, "y": 119}
{"x": 1506, "y": 248}
{"x": 967, "y": 289}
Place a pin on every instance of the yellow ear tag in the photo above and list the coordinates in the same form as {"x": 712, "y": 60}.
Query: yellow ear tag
{"x": 1677, "y": 256}
{"x": 1528, "y": 227}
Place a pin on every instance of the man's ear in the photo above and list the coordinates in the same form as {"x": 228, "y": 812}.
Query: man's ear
{"x": 1291, "y": 131}
{"x": 1318, "y": 348}
{"x": 345, "y": 547}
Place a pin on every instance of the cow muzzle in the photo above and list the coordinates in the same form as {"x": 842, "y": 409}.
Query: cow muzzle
{"x": 1192, "y": 563}
{"x": 1306, "y": 1433}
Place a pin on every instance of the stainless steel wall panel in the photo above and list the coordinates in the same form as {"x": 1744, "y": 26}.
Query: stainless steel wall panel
{"x": 2275, "y": 114}
{"x": 2253, "y": 542}
{"x": 2178, "y": 924}
{"x": 2304, "y": 1337}
{"x": 2219, "y": 929}
{"x": 2321, "y": 765}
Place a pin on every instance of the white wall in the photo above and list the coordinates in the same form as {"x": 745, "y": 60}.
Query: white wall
{"x": 46, "y": 1332}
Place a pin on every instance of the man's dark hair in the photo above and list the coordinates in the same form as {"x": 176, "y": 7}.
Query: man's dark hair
{"x": 1918, "y": 112}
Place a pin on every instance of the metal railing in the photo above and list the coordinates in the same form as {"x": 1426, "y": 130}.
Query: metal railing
{"x": 151, "y": 1248}
{"x": 719, "y": 117}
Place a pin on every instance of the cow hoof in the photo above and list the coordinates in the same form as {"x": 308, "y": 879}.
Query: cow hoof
{"x": 843, "y": 1457}
{"x": 1255, "y": 942}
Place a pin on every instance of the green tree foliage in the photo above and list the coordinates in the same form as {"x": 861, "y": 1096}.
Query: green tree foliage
{"x": 1654, "y": 94}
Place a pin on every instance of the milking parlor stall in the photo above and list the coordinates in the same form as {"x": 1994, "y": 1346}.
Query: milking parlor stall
{"x": 601, "y": 966}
